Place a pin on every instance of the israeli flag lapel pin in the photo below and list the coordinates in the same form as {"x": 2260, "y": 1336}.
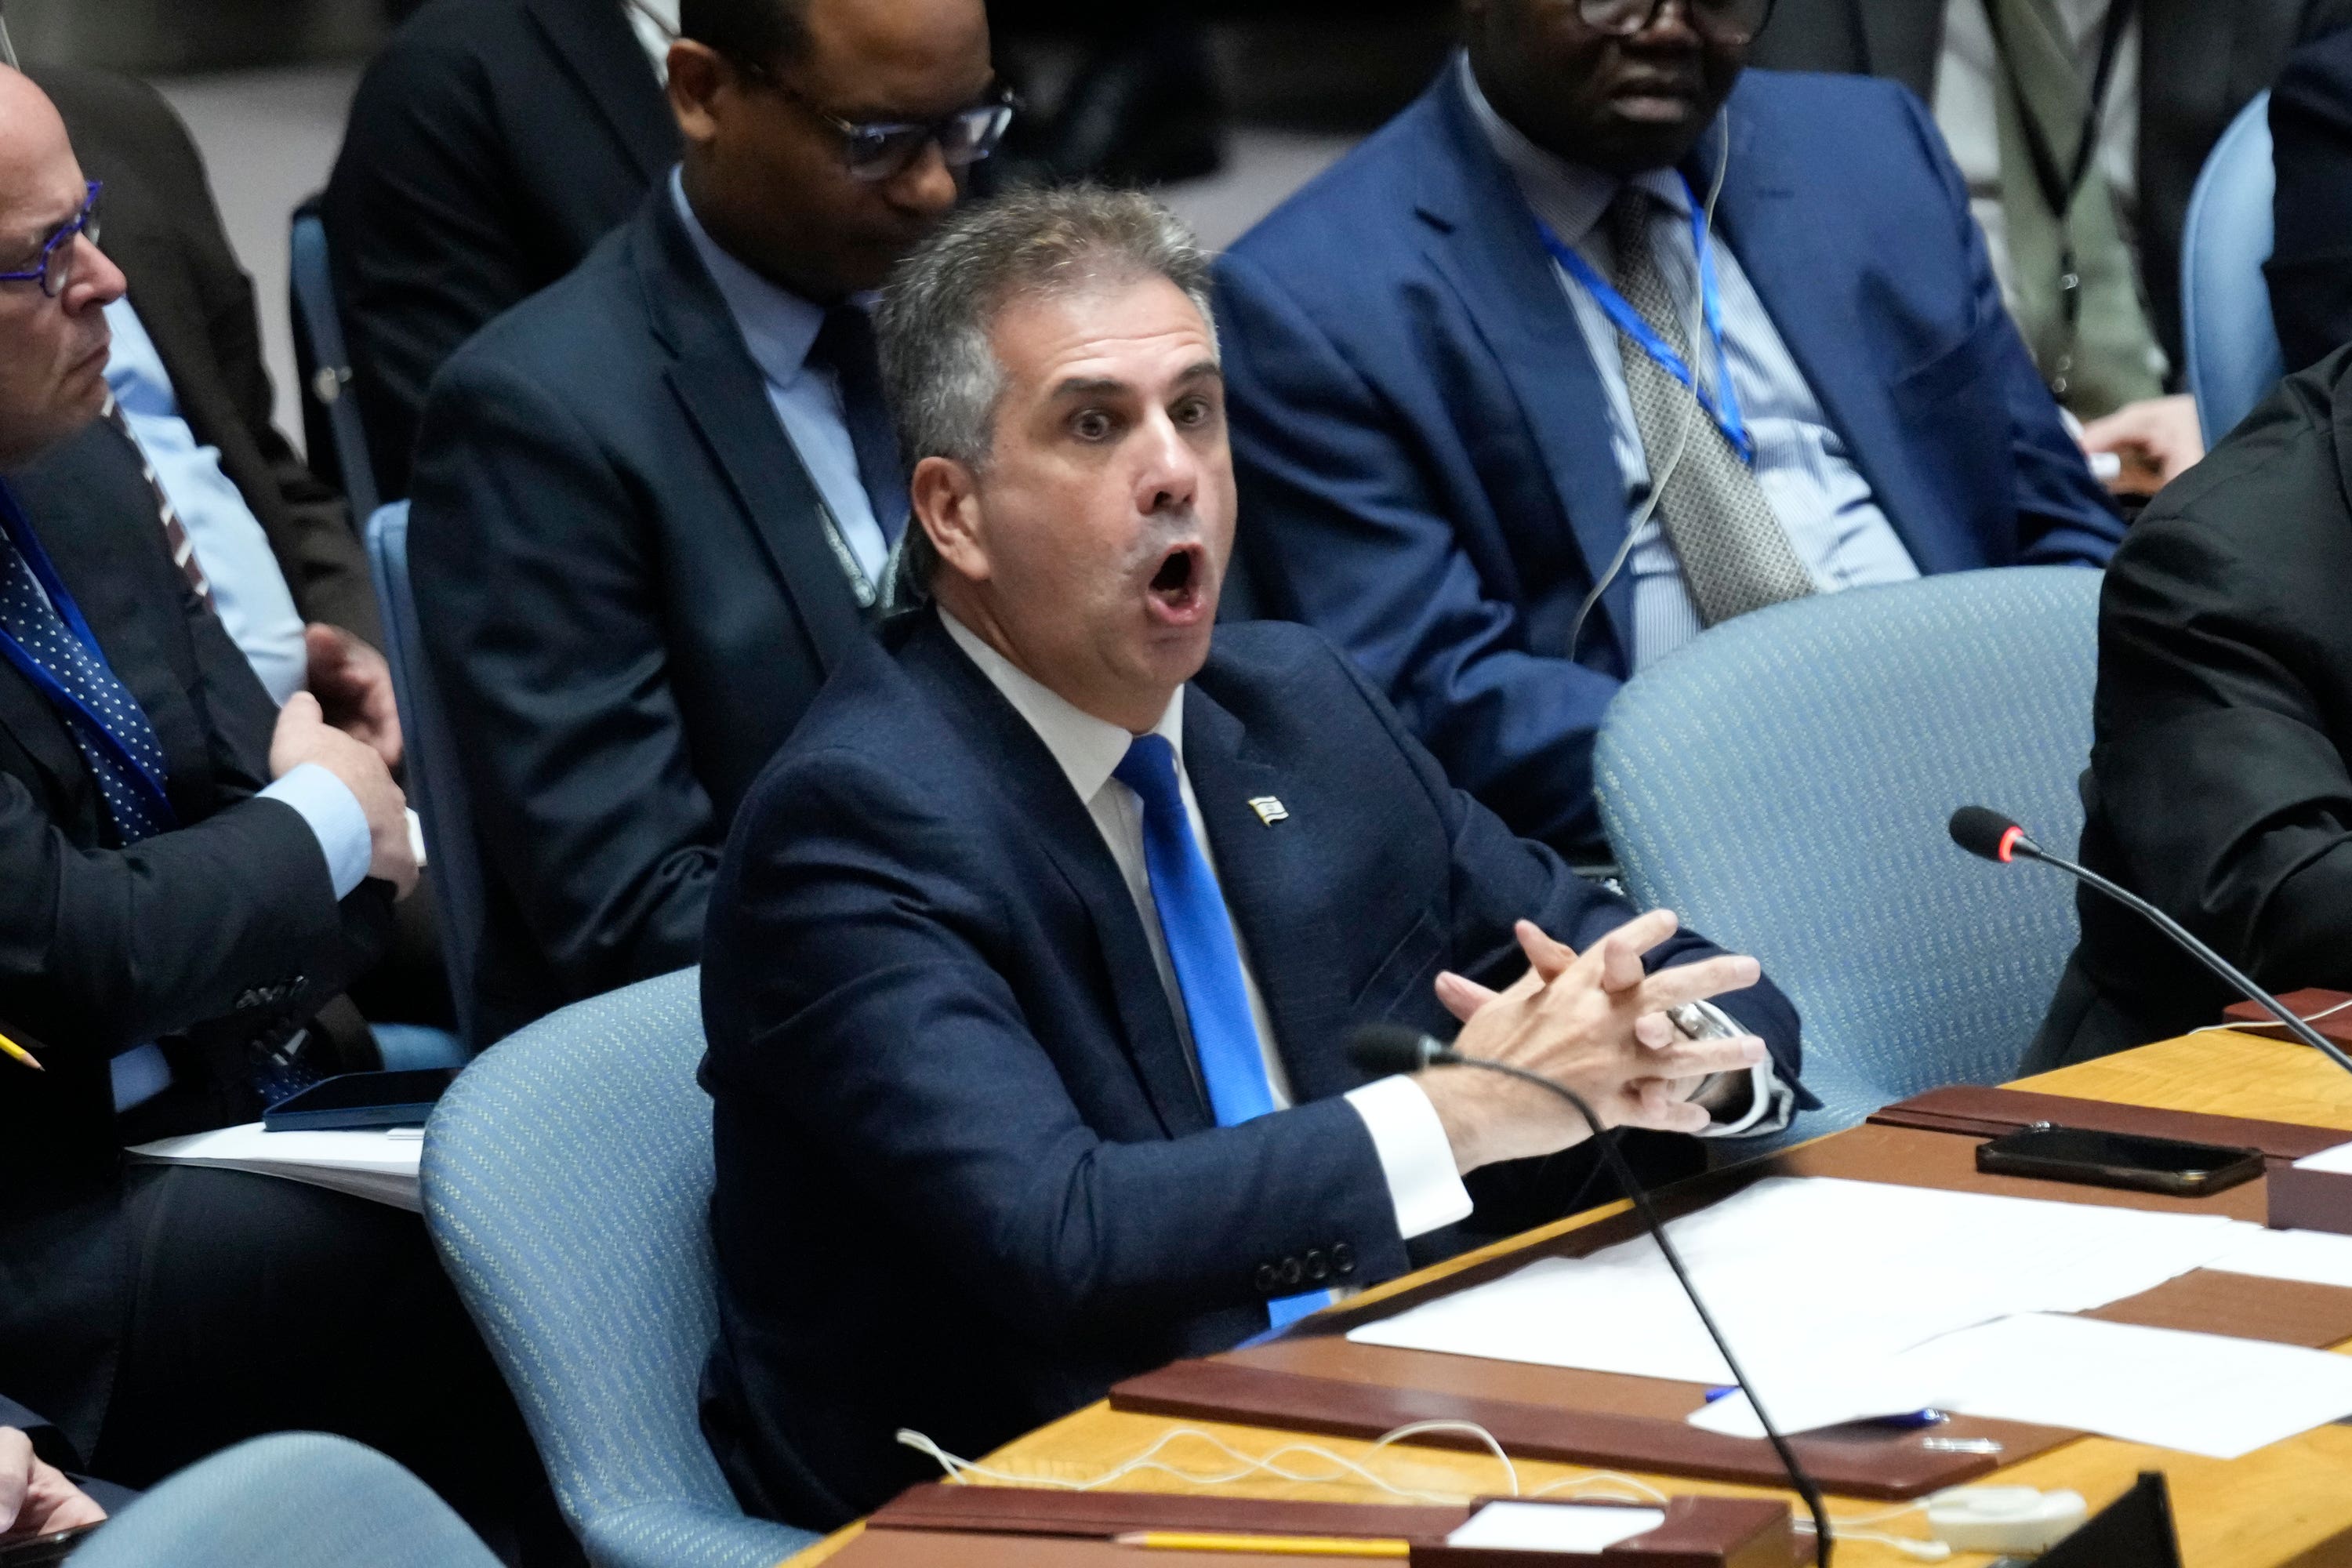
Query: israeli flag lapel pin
{"x": 1269, "y": 809}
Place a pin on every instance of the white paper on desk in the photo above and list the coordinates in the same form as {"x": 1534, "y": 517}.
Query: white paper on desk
{"x": 1808, "y": 1273}
{"x": 2338, "y": 1159}
{"x": 2312, "y": 1255}
{"x": 2201, "y": 1394}
{"x": 1554, "y": 1526}
{"x": 379, "y": 1164}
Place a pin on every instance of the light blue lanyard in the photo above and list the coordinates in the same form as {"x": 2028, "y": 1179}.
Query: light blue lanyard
{"x": 1723, "y": 405}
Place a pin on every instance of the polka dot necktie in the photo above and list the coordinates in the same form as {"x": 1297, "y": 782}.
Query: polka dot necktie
{"x": 102, "y": 706}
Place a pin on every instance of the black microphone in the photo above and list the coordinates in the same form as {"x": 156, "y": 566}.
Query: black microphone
{"x": 1385, "y": 1049}
{"x": 1990, "y": 836}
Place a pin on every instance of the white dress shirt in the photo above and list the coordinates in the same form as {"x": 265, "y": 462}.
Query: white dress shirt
{"x": 1968, "y": 83}
{"x": 1808, "y": 476}
{"x": 1414, "y": 1154}
{"x": 249, "y": 591}
{"x": 654, "y": 22}
{"x": 779, "y": 328}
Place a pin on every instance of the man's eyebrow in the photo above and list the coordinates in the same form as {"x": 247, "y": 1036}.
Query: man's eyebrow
{"x": 1203, "y": 370}
{"x": 1091, "y": 386}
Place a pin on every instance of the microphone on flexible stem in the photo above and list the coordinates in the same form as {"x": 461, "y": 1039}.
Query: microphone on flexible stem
{"x": 1386, "y": 1048}
{"x": 1987, "y": 834}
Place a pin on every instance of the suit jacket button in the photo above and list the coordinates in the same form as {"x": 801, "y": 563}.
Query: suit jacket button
{"x": 1319, "y": 1266}
{"x": 1343, "y": 1259}
{"x": 1269, "y": 1279}
{"x": 1292, "y": 1271}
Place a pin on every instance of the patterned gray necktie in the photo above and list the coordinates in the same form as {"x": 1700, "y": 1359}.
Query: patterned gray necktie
{"x": 1735, "y": 556}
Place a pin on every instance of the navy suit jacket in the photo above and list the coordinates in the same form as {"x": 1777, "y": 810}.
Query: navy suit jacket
{"x": 967, "y": 1176}
{"x": 628, "y": 598}
{"x": 1424, "y": 447}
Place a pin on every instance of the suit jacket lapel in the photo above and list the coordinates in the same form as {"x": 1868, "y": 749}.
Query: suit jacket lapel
{"x": 1485, "y": 243}
{"x": 1040, "y": 796}
{"x": 727, "y": 397}
{"x": 1271, "y": 880}
{"x": 597, "y": 45}
{"x": 1784, "y": 255}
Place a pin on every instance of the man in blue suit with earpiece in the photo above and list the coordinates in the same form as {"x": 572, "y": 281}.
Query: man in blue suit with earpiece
{"x": 1457, "y": 358}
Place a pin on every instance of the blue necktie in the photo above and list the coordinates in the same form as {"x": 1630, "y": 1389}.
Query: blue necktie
{"x": 27, "y": 615}
{"x": 845, "y": 344}
{"x": 1208, "y": 963}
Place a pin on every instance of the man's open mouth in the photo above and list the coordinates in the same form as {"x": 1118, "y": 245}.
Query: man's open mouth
{"x": 1176, "y": 586}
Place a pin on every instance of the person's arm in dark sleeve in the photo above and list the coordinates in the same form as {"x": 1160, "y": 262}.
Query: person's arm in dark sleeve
{"x": 1345, "y": 535}
{"x": 539, "y": 615}
{"x": 2064, "y": 516}
{"x": 421, "y": 215}
{"x": 2310, "y": 267}
{"x": 861, "y": 1010}
{"x": 2220, "y": 779}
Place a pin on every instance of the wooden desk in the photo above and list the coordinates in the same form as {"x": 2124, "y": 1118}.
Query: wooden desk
{"x": 2286, "y": 1506}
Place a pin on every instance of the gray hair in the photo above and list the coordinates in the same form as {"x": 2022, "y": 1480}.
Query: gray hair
{"x": 942, "y": 304}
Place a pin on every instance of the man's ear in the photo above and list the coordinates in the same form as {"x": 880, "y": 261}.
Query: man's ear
{"x": 946, "y": 501}
{"x": 696, "y": 75}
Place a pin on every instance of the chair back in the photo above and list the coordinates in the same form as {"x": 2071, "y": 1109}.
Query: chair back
{"x": 330, "y": 413}
{"x": 437, "y": 787}
{"x": 1783, "y": 784}
{"x": 2225, "y": 304}
{"x": 298, "y": 1499}
{"x": 568, "y": 1176}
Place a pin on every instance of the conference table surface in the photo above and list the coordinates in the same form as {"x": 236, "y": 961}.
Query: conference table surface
{"x": 2288, "y": 1504}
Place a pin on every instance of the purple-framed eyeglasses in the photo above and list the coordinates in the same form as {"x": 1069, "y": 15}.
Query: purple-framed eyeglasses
{"x": 54, "y": 272}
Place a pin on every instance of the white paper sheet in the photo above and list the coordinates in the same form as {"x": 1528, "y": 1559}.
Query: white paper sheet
{"x": 2311, "y": 1256}
{"x": 2201, "y": 1394}
{"x": 1554, "y": 1527}
{"x": 380, "y": 1165}
{"x": 1806, "y": 1275}
{"x": 2336, "y": 1159}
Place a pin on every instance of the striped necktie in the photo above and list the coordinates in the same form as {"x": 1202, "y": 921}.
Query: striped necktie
{"x": 175, "y": 532}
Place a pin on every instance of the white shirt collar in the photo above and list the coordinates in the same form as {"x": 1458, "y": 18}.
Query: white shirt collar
{"x": 1088, "y": 748}
{"x": 777, "y": 325}
{"x": 1570, "y": 198}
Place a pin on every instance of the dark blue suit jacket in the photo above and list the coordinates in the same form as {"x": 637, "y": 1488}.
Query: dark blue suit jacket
{"x": 1424, "y": 448}
{"x": 967, "y": 1178}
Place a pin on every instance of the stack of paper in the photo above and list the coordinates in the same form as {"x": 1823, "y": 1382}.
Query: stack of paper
{"x": 1809, "y": 1274}
{"x": 378, "y": 1164}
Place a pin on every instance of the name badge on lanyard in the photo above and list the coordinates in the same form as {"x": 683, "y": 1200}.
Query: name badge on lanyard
{"x": 28, "y": 545}
{"x": 1722, "y": 405}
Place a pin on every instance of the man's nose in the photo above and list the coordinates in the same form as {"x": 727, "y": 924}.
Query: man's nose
{"x": 97, "y": 282}
{"x": 1170, "y": 478}
{"x": 927, "y": 186}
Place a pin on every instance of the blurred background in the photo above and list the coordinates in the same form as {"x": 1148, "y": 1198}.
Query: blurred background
{"x": 265, "y": 84}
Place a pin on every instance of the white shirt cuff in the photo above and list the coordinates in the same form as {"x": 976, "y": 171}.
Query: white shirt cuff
{"x": 1415, "y": 1155}
{"x": 1770, "y": 1103}
{"x": 333, "y": 813}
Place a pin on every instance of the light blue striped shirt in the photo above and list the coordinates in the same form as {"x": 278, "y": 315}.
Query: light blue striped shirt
{"x": 1808, "y": 477}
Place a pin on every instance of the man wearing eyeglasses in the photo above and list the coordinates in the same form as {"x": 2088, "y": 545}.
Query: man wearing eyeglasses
{"x": 1458, "y": 359}
{"x": 655, "y": 504}
{"x": 190, "y": 873}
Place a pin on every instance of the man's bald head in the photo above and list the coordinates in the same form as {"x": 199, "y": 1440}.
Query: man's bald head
{"x": 52, "y": 351}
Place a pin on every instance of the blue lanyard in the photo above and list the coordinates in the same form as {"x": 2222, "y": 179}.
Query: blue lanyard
{"x": 28, "y": 545}
{"x": 1723, "y": 405}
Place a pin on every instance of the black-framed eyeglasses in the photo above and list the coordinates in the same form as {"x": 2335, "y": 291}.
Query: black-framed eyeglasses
{"x": 1726, "y": 21}
{"x": 876, "y": 150}
{"x": 54, "y": 271}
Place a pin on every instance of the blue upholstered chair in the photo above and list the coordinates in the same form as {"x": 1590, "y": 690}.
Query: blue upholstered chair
{"x": 1784, "y": 784}
{"x": 329, "y": 409}
{"x": 567, "y": 1185}
{"x": 435, "y": 787}
{"x": 296, "y": 1500}
{"x": 2225, "y": 305}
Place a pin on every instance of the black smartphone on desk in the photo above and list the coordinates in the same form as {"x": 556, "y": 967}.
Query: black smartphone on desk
{"x": 360, "y": 1099}
{"x": 2118, "y": 1160}
{"x": 43, "y": 1551}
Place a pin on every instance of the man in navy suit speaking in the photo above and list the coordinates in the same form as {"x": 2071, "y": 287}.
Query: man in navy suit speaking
{"x": 1459, "y": 357}
{"x": 1034, "y": 953}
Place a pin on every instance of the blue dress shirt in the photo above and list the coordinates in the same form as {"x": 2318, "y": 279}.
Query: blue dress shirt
{"x": 250, "y": 593}
{"x": 1808, "y": 476}
{"x": 779, "y": 327}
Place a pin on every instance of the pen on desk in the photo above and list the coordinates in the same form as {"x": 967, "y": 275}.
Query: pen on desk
{"x": 1266, "y": 1545}
{"x": 21, "y": 1054}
